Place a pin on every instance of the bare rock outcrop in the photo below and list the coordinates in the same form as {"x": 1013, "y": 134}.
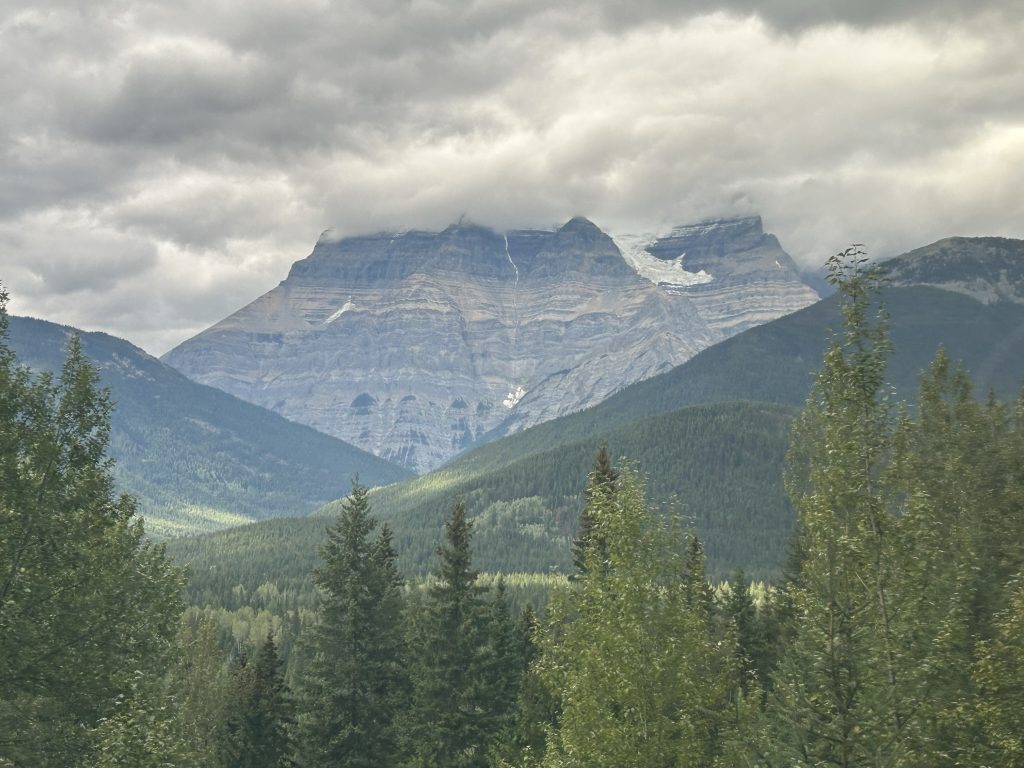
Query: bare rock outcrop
{"x": 414, "y": 345}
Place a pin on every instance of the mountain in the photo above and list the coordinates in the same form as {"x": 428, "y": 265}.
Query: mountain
{"x": 415, "y": 345}
{"x": 960, "y": 293}
{"x": 196, "y": 457}
{"x": 722, "y": 458}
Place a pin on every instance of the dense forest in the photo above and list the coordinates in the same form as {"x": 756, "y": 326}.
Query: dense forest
{"x": 895, "y": 636}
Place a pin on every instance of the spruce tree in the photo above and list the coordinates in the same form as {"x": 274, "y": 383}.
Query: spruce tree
{"x": 353, "y": 681}
{"x": 503, "y": 662}
{"x": 600, "y": 488}
{"x": 259, "y": 713}
{"x": 742, "y": 615}
{"x": 535, "y": 711}
{"x": 86, "y": 600}
{"x": 460, "y": 688}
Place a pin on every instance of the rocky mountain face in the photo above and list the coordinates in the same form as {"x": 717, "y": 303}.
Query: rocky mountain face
{"x": 415, "y": 345}
{"x": 988, "y": 269}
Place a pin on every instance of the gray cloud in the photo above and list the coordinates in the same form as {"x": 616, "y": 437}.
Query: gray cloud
{"x": 162, "y": 164}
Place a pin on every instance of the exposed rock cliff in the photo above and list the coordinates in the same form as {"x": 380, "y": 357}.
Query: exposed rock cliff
{"x": 988, "y": 269}
{"x": 414, "y": 345}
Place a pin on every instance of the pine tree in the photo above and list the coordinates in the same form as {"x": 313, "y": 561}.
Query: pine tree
{"x": 354, "y": 677}
{"x": 85, "y": 599}
{"x": 460, "y": 691}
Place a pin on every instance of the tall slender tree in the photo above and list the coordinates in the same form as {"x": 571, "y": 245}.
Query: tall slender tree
{"x": 600, "y": 488}
{"x": 461, "y": 695}
{"x": 354, "y": 678}
{"x": 259, "y": 716}
{"x": 629, "y": 652}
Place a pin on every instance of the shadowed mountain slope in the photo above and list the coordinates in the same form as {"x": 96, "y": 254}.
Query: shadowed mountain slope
{"x": 196, "y": 457}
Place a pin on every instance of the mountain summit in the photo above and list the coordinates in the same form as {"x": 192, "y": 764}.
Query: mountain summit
{"x": 414, "y": 345}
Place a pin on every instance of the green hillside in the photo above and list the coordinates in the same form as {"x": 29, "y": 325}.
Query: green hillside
{"x": 524, "y": 488}
{"x": 721, "y": 464}
{"x": 195, "y": 457}
{"x": 776, "y": 363}
{"x": 703, "y": 431}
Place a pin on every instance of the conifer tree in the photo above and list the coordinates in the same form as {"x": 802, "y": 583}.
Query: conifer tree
{"x": 460, "y": 689}
{"x": 600, "y": 487}
{"x": 503, "y": 662}
{"x": 85, "y": 599}
{"x": 535, "y": 711}
{"x": 742, "y": 615}
{"x": 695, "y": 581}
{"x": 354, "y": 678}
{"x": 259, "y": 713}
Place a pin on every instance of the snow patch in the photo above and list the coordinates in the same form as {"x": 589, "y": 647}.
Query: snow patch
{"x": 513, "y": 398}
{"x": 347, "y": 306}
{"x": 664, "y": 272}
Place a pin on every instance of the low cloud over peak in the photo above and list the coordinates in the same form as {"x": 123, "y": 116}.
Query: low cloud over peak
{"x": 162, "y": 164}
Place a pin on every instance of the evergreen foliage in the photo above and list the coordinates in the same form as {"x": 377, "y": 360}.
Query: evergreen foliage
{"x": 354, "y": 676}
{"x": 909, "y": 546}
{"x": 85, "y": 600}
{"x": 893, "y": 639}
{"x": 725, "y": 460}
{"x": 460, "y": 658}
{"x": 259, "y": 713}
{"x": 195, "y": 458}
{"x": 600, "y": 484}
{"x": 740, "y": 611}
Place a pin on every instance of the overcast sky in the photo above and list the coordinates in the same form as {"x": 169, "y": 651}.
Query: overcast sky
{"x": 163, "y": 163}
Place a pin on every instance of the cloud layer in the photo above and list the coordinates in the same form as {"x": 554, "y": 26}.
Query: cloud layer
{"x": 161, "y": 164}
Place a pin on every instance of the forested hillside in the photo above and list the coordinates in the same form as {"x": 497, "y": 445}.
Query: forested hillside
{"x": 194, "y": 457}
{"x": 893, "y": 637}
{"x": 776, "y": 363}
{"x": 721, "y": 459}
{"x": 718, "y": 465}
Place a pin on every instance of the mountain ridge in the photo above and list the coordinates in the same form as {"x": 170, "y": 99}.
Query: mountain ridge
{"x": 194, "y": 456}
{"x": 414, "y": 345}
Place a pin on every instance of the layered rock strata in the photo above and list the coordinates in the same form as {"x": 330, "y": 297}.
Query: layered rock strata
{"x": 414, "y": 345}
